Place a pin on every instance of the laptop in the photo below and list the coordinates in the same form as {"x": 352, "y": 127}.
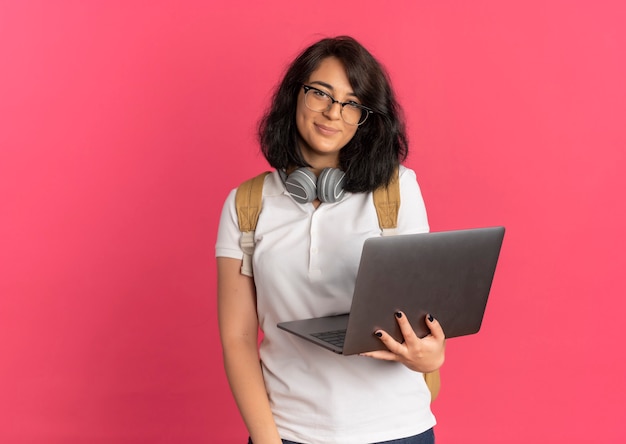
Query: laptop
{"x": 447, "y": 274}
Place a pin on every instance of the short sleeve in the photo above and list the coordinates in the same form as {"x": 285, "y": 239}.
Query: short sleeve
{"x": 228, "y": 234}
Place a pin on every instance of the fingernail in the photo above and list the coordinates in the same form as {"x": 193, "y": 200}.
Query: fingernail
{"x": 398, "y": 314}
{"x": 379, "y": 334}
{"x": 430, "y": 317}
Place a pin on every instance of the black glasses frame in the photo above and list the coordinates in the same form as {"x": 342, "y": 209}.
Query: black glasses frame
{"x": 367, "y": 110}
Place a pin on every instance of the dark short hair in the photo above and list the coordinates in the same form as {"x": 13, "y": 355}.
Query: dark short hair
{"x": 378, "y": 146}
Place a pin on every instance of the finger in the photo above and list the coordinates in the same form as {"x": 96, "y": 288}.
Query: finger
{"x": 384, "y": 355}
{"x": 392, "y": 345}
{"x": 435, "y": 327}
{"x": 405, "y": 328}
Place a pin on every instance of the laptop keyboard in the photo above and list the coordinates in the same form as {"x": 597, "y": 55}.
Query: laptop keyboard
{"x": 335, "y": 337}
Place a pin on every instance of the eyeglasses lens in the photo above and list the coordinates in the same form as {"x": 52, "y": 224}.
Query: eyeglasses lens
{"x": 320, "y": 102}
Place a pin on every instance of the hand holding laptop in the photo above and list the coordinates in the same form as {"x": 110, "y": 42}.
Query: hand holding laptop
{"x": 423, "y": 355}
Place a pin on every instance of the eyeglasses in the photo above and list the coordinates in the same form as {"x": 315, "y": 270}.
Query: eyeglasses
{"x": 319, "y": 101}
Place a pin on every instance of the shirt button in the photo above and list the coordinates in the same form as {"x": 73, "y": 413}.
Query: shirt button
{"x": 314, "y": 250}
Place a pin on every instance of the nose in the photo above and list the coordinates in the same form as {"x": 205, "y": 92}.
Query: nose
{"x": 334, "y": 111}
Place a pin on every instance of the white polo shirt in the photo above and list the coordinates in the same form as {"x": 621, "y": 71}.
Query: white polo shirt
{"x": 305, "y": 264}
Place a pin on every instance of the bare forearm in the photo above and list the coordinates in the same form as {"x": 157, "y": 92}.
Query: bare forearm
{"x": 246, "y": 381}
{"x": 239, "y": 333}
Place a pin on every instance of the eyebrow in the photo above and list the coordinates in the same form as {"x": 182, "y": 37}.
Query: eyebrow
{"x": 330, "y": 87}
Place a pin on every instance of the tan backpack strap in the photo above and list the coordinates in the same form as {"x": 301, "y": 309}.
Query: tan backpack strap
{"x": 387, "y": 203}
{"x": 433, "y": 381}
{"x": 248, "y": 200}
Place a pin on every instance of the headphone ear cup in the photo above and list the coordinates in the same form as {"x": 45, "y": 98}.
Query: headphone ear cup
{"x": 301, "y": 184}
{"x": 330, "y": 185}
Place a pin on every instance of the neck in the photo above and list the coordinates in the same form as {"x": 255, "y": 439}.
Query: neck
{"x": 318, "y": 160}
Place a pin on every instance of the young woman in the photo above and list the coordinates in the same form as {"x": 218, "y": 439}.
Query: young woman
{"x": 334, "y": 115}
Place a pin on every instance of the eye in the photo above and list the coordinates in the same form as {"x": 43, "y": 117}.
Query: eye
{"x": 320, "y": 94}
{"x": 354, "y": 105}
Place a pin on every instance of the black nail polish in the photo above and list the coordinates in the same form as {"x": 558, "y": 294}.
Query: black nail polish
{"x": 398, "y": 314}
{"x": 379, "y": 334}
{"x": 430, "y": 317}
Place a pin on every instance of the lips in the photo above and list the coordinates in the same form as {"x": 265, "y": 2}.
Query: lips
{"x": 326, "y": 130}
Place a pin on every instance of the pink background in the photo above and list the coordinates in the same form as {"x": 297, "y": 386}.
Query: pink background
{"x": 123, "y": 125}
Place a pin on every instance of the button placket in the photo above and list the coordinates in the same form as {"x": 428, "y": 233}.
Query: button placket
{"x": 314, "y": 261}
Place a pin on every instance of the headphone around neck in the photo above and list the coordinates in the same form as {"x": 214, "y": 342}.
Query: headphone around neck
{"x": 304, "y": 187}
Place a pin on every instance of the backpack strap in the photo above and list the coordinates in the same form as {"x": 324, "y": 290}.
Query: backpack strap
{"x": 387, "y": 203}
{"x": 248, "y": 201}
{"x": 433, "y": 382}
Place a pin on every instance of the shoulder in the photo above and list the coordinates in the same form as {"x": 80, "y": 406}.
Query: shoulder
{"x": 412, "y": 216}
{"x": 406, "y": 173}
{"x": 408, "y": 180}
{"x": 272, "y": 183}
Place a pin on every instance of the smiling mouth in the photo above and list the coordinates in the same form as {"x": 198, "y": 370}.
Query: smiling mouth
{"x": 326, "y": 129}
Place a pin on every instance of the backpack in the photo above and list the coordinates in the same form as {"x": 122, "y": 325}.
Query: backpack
{"x": 248, "y": 202}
